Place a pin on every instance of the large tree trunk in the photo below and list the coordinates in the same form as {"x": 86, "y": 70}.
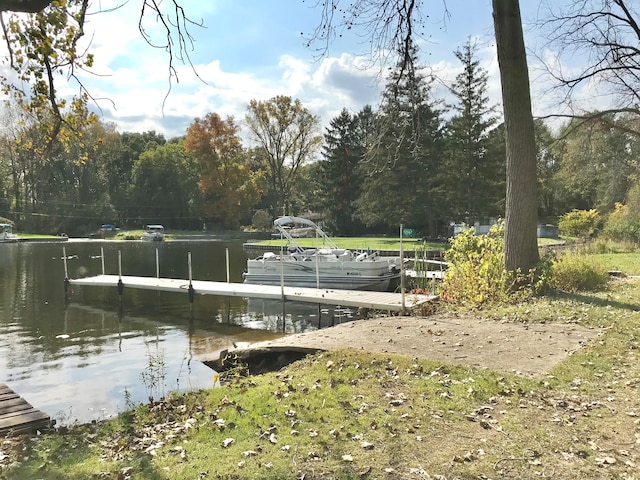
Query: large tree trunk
{"x": 521, "y": 217}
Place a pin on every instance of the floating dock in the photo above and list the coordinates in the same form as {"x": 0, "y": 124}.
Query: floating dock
{"x": 18, "y": 416}
{"x": 389, "y": 301}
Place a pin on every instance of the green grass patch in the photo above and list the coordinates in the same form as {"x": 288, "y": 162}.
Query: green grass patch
{"x": 362, "y": 243}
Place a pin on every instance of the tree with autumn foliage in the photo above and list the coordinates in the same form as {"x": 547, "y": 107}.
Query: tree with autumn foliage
{"x": 228, "y": 185}
{"x": 288, "y": 136}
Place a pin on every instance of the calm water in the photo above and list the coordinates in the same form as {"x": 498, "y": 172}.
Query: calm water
{"x": 78, "y": 357}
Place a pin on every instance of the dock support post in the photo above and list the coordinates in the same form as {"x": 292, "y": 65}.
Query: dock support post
{"x": 191, "y": 293}
{"x": 66, "y": 270}
{"x": 120, "y": 284}
{"x": 402, "y": 272}
{"x": 227, "y": 259}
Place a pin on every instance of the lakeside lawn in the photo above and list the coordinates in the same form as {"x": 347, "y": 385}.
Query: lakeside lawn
{"x": 383, "y": 243}
{"x": 356, "y": 414}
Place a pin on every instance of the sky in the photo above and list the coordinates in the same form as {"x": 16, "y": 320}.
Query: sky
{"x": 255, "y": 49}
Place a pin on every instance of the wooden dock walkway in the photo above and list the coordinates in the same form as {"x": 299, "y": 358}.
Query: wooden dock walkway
{"x": 17, "y": 415}
{"x": 345, "y": 298}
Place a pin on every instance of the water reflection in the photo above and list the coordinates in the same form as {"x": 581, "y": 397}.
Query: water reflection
{"x": 78, "y": 356}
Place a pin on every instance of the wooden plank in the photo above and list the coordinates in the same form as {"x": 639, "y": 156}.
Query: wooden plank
{"x": 13, "y": 402}
{"x": 17, "y": 415}
{"x": 8, "y": 396}
{"x": 5, "y": 389}
{"x": 27, "y": 411}
{"x": 6, "y": 409}
{"x": 22, "y": 421}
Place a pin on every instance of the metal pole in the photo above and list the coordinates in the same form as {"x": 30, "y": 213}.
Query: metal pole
{"x": 102, "y": 259}
{"x": 317, "y": 264}
{"x": 64, "y": 258}
{"x": 120, "y": 284}
{"x": 281, "y": 270}
{"x": 402, "y": 271}
{"x": 157, "y": 264}
{"x": 227, "y": 255}
{"x": 191, "y": 293}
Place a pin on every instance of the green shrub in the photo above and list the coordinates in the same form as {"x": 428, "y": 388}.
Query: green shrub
{"x": 574, "y": 272}
{"x": 476, "y": 274}
{"x": 262, "y": 221}
{"x": 579, "y": 223}
{"x": 623, "y": 224}
{"x": 6, "y": 220}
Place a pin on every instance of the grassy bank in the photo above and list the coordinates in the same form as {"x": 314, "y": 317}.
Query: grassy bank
{"x": 352, "y": 414}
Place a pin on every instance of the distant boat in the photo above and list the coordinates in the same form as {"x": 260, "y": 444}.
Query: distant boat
{"x": 326, "y": 266}
{"x": 153, "y": 233}
{"x": 6, "y": 233}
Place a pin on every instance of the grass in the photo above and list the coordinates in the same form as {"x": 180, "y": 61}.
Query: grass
{"x": 382, "y": 243}
{"x": 353, "y": 414}
{"x": 362, "y": 243}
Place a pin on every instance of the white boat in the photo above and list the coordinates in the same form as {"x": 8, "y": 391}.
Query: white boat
{"x": 326, "y": 266}
{"x": 153, "y": 233}
{"x": 6, "y": 233}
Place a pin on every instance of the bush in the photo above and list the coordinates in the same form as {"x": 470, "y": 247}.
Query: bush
{"x": 623, "y": 224}
{"x": 579, "y": 223}
{"x": 476, "y": 274}
{"x": 574, "y": 272}
{"x": 262, "y": 221}
{"x": 6, "y": 220}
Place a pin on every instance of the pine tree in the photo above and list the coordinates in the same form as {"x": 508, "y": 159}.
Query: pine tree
{"x": 344, "y": 147}
{"x": 401, "y": 160}
{"x": 473, "y": 178}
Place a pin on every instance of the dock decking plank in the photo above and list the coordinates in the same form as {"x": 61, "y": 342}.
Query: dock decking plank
{"x": 17, "y": 415}
{"x": 346, "y": 298}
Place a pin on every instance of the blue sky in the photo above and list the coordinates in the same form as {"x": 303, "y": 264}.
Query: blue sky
{"x": 255, "y": 49}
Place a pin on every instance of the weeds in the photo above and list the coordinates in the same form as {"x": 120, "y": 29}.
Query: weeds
{"x": 476, "y": 274}
{"x": 154, "y": 374}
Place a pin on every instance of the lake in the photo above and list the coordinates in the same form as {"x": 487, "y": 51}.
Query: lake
{"x": 83, "y": 355}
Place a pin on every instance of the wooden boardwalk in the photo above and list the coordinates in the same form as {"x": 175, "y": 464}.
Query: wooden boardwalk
{"x": 346, "y": 298}
{"x": 17, "y": 415}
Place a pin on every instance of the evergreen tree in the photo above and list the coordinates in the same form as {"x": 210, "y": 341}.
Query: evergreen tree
{"x": 473, "y": 179}
{"x": 340, "y": 182}
{"x": 401, "y": 160}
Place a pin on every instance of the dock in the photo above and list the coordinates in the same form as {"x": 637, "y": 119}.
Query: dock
{"x": 17, "y": 416}
{"x": 387, "y": 301}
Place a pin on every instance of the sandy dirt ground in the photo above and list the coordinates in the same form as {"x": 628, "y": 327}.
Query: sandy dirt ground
{"x": 531, "y": 350}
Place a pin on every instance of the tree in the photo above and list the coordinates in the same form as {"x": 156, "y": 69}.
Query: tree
{"x": 472, "y": 177}
{"x": 548, "y": 164}
{"x": 521, "y": 216}
{"x": 391, "y": 26}
{"x": 164, "y": 187}
{"x": 400, "y": 164}
{"x": 604, "y": 34}
{"x": 120, "y": 165}
{"x": 597, "y": 162}
{"x": 43, "y": 43}
{"x": 339, "y": 176}
{"x": 228, "y": 185}
{"x": 287, "y": 134}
